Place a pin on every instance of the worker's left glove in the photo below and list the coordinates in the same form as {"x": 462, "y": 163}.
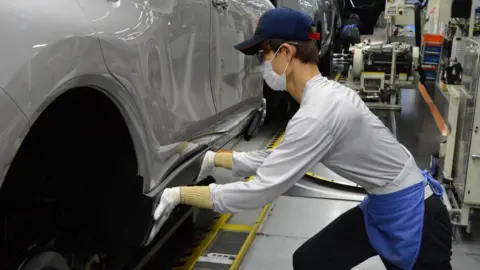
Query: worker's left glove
{"x": 169, "y": 200}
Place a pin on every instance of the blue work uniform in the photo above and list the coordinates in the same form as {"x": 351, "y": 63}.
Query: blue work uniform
{"x": 347, "y": 30}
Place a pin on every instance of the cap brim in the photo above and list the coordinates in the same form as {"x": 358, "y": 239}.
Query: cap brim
{"x": 250, "y": 46}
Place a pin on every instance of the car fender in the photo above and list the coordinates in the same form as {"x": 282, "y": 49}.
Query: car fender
{"x": 49, "y": 50}
{"x": 13, "y": 129}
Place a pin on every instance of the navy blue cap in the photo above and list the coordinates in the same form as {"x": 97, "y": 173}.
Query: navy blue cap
{"x": 280, "y": 23}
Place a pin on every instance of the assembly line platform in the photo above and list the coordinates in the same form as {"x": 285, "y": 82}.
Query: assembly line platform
{"x": 266, "y": 238}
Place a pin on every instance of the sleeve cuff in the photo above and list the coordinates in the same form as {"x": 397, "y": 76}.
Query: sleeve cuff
{"x": 238, "y": 164}
{"x": 213, "y": 198}
{"x": 196, "y": 196}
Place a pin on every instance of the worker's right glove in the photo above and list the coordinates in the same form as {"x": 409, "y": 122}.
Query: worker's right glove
{"x": 207, "y": 165}
{"x": 169, "y": 200}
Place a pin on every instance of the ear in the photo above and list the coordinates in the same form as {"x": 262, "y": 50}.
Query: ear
{"x": 289, "y": 50}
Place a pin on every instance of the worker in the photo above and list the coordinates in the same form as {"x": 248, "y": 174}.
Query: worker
{"x": 402, "y": 218}
{"x": 350, "y": 34}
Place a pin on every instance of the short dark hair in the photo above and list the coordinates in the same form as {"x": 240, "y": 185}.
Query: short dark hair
{"x": 307, "y": 51}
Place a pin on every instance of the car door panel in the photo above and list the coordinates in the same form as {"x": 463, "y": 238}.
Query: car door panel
{"x": 236, "y": 78}
{"x": 160, "y": 49}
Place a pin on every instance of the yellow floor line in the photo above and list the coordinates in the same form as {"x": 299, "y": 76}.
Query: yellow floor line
{"x": 191, "y": 261}
{"x": 251, "y": 236}
{"x": 318, "y": 177}
{"x": 237, "y": 227}
{"x": 338, "y": 76}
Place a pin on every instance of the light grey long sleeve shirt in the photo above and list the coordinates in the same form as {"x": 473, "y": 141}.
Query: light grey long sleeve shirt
{"x": 245, "y": 164}
{"x": 332, "y": 126}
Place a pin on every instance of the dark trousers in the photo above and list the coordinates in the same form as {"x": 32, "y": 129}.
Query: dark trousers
{"x": 344, "y": 243}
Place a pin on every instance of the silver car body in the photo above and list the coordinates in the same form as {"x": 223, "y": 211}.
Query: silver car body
{"x": 168, "y": 65}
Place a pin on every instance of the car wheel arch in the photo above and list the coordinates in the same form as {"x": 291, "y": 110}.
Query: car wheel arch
{"x": 15, "y": 183}
{"x": 107, "y": 85}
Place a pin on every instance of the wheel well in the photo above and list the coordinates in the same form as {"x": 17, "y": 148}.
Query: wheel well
{"x": 77, "y": 161}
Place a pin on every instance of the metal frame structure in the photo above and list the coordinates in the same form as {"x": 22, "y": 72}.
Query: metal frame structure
{"x": 454, "y": 94}
{"x": 461, "y": 151}
{"x": 381, "y": 89}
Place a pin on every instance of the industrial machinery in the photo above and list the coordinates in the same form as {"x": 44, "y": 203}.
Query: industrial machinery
{"x": 461, "y": 150}
{"x": 379, "y": 70}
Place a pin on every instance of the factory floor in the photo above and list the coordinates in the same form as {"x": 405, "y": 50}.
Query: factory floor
{"x": 311, "y": 204}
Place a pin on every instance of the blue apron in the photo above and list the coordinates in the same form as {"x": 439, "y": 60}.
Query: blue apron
{"x": 394, "y": 222}
{"x": 348, "y": 28}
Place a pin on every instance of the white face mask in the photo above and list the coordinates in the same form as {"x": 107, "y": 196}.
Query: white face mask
{"x": 275, "y": 81}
